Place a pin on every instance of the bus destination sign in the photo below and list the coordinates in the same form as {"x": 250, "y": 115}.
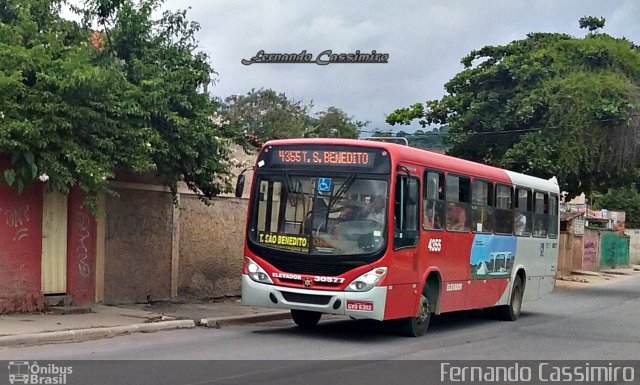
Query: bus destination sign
{"x": 324, "y": 157}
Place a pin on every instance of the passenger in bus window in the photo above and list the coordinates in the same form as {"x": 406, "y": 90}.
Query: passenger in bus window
{"x": 539, "y": 230}
{"x": 351, "y": 210}
{"x": 375, "y": 210}
{"x": 431, "y": 217}
{"x": 519, "y": 222}
{"x": 456, "y": 217}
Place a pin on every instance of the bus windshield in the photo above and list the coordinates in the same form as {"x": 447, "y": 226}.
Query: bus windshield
{"x": 320, "y": 215}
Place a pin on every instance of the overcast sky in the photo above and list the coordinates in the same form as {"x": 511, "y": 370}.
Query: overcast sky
{"x": 425, "y": 41}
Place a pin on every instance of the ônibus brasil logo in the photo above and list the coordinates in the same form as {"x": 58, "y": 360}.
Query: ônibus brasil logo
{"x": 24, "y": 372}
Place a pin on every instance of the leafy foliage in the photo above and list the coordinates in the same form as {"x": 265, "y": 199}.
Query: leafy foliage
{"x": 549, "y": 104}
{"x": 592, "y": 23}
{"x": 267, "y": 114}
{"x": 334, "y": 123}
{"x": 135, "y": 98}
{"x": 429, "y": 140}
{"x": 624, "y": 199}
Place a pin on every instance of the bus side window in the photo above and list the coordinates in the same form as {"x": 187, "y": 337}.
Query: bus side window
{"x": 540, "y": 214}
{"x": 504, "y": 211}
{"x": 553, "y": 216}
{"x": 458, "y": 203}
{"x": 434, "y": 204}
{"x": 406, "y": 212}
{"x": 523, "y": 211}
{"x": 482, "y": 206}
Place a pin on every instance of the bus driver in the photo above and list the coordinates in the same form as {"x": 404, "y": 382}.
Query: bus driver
{"x": 375, "y": 210}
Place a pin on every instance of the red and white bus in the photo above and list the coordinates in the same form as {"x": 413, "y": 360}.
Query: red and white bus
{"x": 388, "y": 232}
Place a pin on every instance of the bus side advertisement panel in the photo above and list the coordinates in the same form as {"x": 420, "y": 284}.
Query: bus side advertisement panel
{"x": 491, "y": 263}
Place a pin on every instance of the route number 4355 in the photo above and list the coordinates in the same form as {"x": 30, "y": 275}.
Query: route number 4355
{"x": 435, "y": 244}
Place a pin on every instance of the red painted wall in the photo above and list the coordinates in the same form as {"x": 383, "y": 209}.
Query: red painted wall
{"x": 20, "y": 247}
{"x": 81, "y": 250}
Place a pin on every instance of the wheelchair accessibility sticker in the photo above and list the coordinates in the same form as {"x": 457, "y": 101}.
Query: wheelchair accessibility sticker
{"x": 324, "y": 184}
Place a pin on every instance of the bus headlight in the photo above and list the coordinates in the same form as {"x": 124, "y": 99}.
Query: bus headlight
{"x": 256, "y": 272}
{"x": 367, "y": 280}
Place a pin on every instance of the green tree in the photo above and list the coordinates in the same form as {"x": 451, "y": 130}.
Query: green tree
{"x": 624, "y": 199}
{"x": 267, "y": 114}
{"x": 75, "y": 112}
{"x": 549, "y": 104}
{"x": 381, "y": 134}
{"x": 591, "y": 23}
{"x": 334, "y": 123}
{"x": 428, "y": 140}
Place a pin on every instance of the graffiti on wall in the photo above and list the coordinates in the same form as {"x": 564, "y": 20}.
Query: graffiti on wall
{"x": 82, "y": 253}
{"x": 590, "y": 253}
{"x": 18, "y": 220}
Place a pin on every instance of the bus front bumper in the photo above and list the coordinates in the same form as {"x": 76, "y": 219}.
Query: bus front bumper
{"x": 369, "y": 304}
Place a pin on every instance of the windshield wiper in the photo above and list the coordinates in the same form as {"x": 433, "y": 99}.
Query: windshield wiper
{"x": 288, "y": 188}
{"x": 342, "y": 190}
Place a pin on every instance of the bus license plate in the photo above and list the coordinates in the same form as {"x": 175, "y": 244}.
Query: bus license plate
{"x": 360, "y": 305}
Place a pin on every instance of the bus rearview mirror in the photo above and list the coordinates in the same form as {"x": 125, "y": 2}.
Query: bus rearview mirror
{"x": 240, "y": 185}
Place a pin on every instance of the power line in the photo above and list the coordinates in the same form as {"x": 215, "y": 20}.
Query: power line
{"x": 540, "y": 129}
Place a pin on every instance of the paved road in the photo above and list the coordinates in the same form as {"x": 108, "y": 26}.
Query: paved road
{"x": 593, "y": 323}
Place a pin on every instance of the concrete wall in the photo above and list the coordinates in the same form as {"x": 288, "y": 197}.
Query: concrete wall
{"x": 634, "y": 245}
{"x": 590, "y": 252}
{"x": 20, "y": 248}
{"x": 596, "y": 249}
{"x": 156, "y": 251}
{"x": 564, "y": 254}
{"x": 570, "y": 253}
{"x": 81, "y": 250}
{"x": 138, "y": 246}
{"x": 211, "y": 244}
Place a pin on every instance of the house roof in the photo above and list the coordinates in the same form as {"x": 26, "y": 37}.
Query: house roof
{"x": 569, "y": 215}
{"x": 97, "y": 40}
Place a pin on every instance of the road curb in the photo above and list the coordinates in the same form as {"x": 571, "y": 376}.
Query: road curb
{"x": 80, "y": 335}
{"x": 218, "y": 322}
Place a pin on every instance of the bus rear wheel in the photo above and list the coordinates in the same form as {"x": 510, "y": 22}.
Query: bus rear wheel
{"x": 305, "y": 319}
{"x": 416, "y": 326}
{"x": 511, "y": 312}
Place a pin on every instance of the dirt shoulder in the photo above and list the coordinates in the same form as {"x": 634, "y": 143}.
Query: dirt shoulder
{"x": 580, "y": 279}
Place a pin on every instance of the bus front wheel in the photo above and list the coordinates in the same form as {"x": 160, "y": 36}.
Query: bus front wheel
{"x": 511, "y": 312}
{"x": 305, "y": 319}
{"x": 416, "y": 326}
